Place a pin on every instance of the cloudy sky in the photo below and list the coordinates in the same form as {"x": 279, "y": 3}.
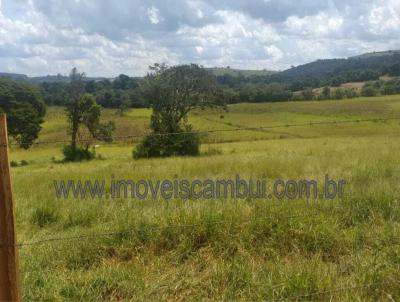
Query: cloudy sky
{"x": 109, "y": 37}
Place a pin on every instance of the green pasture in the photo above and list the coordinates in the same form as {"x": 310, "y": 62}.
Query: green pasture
{"x": 193, "y": 250}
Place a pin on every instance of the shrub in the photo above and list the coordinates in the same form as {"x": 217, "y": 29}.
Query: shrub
{"x": 14, "y": 163}
{"x": 350, "y": 93}
{"x": 24, "y": 163}
{"x": 338, "y": 94}
{"x": 154, "y": 145}
{"x": 77, "y": 154}
{"x": 369, "y": 91}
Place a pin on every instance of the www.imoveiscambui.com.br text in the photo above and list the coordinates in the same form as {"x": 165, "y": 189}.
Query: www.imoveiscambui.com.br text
{"x": 235, "y": 188}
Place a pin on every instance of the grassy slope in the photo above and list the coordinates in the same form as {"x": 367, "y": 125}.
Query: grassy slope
{"x": 257, "y": 253}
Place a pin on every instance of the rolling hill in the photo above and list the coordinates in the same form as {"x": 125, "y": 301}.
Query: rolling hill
{"x": 368, "y": 66}
{"x": 376, "y": 61}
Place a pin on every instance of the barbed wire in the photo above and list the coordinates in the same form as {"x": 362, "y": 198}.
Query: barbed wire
{"x": 310, "y": 123}
{"x": 169, "y": 226}
{"x": 154, "y": 227}
{"x": 159, "y": 227}
{"x": 319, "y": 210}
{"x": 331, "y": 291}
{"x": 307, "y": 296}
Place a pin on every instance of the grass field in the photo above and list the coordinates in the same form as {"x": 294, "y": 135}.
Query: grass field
{"x": 339, "y": 250}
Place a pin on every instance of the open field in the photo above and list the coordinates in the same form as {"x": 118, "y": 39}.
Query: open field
{"x": 339, "y": 250}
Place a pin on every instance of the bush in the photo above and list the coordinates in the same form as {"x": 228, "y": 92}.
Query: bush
{"x": 155, "y": 145}
{"x": 77, "y": 154}
{"x": 14, "y": 163}
{"x": 338, "y": 94}
{"x": 350, "y": 93}
{"x": 24, "y": 163}
{"x": 368, "y": 91}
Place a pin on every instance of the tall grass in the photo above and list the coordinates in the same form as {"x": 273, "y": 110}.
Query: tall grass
{"x": 340, "y": 250}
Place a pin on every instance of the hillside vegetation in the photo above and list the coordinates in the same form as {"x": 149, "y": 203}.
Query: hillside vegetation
{"x": 256, "y": 86}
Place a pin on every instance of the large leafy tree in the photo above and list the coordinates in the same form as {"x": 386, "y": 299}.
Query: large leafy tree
{"x": 84, "y": 115}
{"x": 25, "y": 110}
{"x": 172, "y": 93}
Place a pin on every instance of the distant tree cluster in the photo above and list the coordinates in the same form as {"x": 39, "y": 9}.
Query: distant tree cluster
{"x": 381, "y": 87}
{"x": 327, "y": 93}
{"x": 120, "y": 93}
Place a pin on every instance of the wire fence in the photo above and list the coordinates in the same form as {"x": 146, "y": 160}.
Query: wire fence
{"x": 117, "y": 139}
{"x": 309, "y": 296}
{"x": 155, "y": 227}
{"x": 331, "y": 292}
{"x": 232, "y": 220}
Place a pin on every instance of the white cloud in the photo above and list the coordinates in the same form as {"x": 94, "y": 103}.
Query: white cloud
{"x": 318, "y": 25}
{"x": 153, "y": 14}
{"x": 108, "y": 37}
{"x": 384, "y": 18}
{"x": 274, "y": 52}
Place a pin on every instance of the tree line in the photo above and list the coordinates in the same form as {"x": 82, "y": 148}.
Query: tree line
{"x": 124, "y": 92}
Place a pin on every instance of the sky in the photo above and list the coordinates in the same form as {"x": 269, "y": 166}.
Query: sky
{"x": 110, "y": 37}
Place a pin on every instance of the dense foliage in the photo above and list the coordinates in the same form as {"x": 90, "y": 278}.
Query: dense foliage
{"x": 122, "y": 92}
{"x": 242, "y": 86}
{"x": 280, "y": 86}
{"x": 381, "y": 87}
{"x": 25, "y": 110}
{"x": 172, "y": 93}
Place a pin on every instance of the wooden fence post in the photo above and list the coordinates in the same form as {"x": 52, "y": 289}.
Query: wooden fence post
{"x": 9, "y": 270}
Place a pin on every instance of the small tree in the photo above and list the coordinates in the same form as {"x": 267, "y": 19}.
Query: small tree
{"x": 83, "y": 112}
{"x": 172, "y": 93}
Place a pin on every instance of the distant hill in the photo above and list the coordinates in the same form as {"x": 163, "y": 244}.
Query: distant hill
{"x": 61, "y": 78}
{"x": 220, "y": 71}
{"x": 13, "y": 76}
{"x": 42, "y": 79}
{"x": 375, "y": 61}
{"x": 377, "y": 54}
{"x": 365, "y": 67}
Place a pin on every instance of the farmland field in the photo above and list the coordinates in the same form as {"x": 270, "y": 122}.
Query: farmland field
{"x": 342, "y": 250}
